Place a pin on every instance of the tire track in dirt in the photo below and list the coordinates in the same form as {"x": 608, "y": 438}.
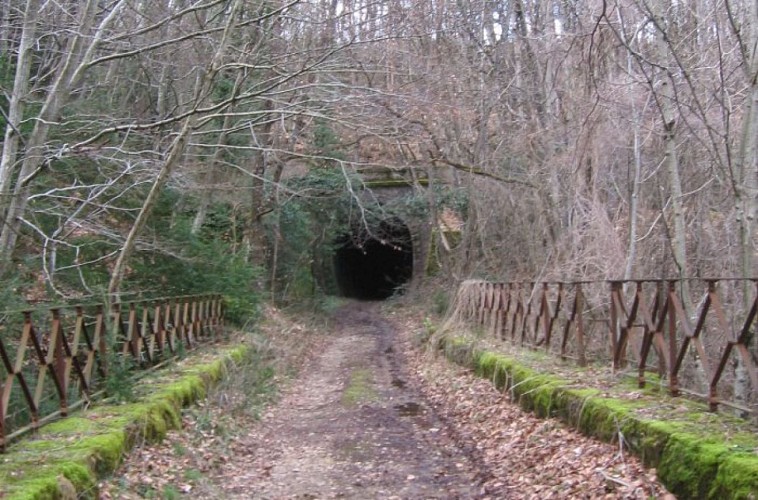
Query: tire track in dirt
{"x": 353, "y": 426}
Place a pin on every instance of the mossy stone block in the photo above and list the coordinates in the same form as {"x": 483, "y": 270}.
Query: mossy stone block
{"x": 694, "y": 458}
{"x": 737, "y": 478}
{"x": 65, "y": 458}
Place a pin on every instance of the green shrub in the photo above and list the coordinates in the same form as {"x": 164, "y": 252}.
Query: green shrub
{"x": 440, "y": 302}
{"x": 119, "y": 384}
{"x": 209, "y": 261}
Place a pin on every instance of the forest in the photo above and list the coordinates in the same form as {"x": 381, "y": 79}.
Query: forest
{"x": 259, "y": 150}
{"x": 160, "y": 147}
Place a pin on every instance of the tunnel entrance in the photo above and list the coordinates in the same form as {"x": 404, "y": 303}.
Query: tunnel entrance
{"x": 373, "y": 265}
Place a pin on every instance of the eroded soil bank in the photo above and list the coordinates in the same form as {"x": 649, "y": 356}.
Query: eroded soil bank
{"x": 368, "y": 416}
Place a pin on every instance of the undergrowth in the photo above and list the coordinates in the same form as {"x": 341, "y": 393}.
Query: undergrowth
{"x": 276, "y": 350}
{"x": 251, "y": 384}
{"x": 694, "y": 459}
{"x": 120, "y": 382}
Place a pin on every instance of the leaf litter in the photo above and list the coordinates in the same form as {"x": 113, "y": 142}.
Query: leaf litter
{"x": 426, "y": 429}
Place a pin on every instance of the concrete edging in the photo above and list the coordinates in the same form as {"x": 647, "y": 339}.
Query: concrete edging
{"x": 691, "y": 461}
{"x": 65, "y": 459}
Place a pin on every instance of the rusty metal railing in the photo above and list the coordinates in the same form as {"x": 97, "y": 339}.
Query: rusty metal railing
{"x": 693, "y": 338}
{"x": 53, "y": 360}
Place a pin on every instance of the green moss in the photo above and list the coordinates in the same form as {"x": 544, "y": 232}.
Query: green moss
{"x": 543, "y": 401}
{"x": 210, "y": 373}
{"x": 182, "y": 391}
{"x": 698, "y": 454}
{"x": 737, "y": 478}
{"x": 81, "y": 477}
{"x": 34, "y": 488}
{"x": 461, "y": 351}
{"x": 359, "y": 388}
{"x": 485, "y": 364}
{"x": 104, "y": 452}
{"x": 239, "y": 354}
{"x": 570, "y": 402}
{"x": 35, "y": 481}
{"x": 649, "y": 441}
{"x": 541, "y": 393}
{"x": 605, "y": 418}
{"x": 72, "y": 426}
{"x": 72, "y": 452}
{"x": 163, "y": 410}
{"x": 689, "y": 465}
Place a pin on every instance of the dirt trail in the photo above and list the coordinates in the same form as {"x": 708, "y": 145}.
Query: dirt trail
{"x": 354, "y": 426}
{"x": 370, "y": 417}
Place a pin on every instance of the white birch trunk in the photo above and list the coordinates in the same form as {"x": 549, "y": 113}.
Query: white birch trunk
{"x": 671, "y": 162}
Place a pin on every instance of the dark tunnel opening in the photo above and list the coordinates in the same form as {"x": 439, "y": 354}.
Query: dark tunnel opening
{"x": 374, "y": 266}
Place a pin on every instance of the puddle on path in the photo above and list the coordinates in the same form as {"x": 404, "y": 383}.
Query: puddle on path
{"x": 409, "y": 409}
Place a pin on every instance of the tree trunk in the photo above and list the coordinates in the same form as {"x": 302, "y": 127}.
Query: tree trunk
{"x": 218, "y": 153}
{"x": 18, "y": 96}
{"x": 257, "y": 243}
{"x": 747, "y": 195}
{"x": 175, "y": 153}
{"x": 671, "y": 162}
{"x": 631, "y": 254}
{"x": 256, "y": 234}
{"x": 35, "y": 160}
{"x": 667, "y": 106}
{"x": 6, "y": 29}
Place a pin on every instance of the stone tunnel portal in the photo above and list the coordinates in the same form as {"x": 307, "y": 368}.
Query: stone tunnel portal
{"x": 374, "y": 265}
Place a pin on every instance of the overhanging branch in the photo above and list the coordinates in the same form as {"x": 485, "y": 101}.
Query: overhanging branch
{"x": 478, "y": 171}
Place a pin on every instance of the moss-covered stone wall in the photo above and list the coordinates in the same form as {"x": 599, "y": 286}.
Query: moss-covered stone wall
{"x": 697, "y": 454}
{"x": 64, "y": 460}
